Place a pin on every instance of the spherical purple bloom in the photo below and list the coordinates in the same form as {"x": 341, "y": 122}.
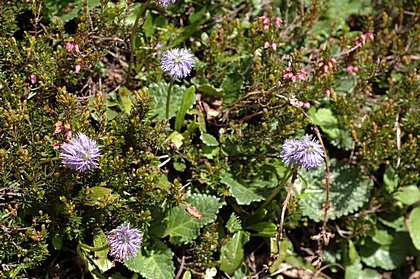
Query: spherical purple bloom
{"x": 288, "y": 152}
{"x": 80, "y": 153}
{"x": 310, "y": 153}
{"x": 177, "y": 62}
{"x": 165, "y": 3}
{"x": 124, "y": 242}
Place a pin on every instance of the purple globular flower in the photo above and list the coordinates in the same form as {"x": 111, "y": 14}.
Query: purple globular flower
{"x": 288, "y": 152}
{"x": 310, "y": 153}
{"x": 307, "y": 153}
{"x": 80, "y": 153}
{"x": 124, "y": 242}
{"x": 177, "y": 62}
{"x": 165, "y": 3}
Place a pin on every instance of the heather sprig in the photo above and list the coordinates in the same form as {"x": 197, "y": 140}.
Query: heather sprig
{"x": 80, "y": 153}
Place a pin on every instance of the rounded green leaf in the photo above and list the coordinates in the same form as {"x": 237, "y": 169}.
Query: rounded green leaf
{"x": 414, "y": 222}
{"x": 349, "y": 190}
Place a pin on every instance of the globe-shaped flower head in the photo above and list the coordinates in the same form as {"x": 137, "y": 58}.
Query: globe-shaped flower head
{"x": 80, "y": 153}
{"x": 124, "y": 242}
{"x": 177, "y": 62}
{"x": 288, "y": 152}
{"x": 165, "y": 3}
{"x": 310, "y": 153}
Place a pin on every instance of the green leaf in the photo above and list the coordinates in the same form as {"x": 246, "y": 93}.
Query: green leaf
{"x": 155, "y": 263}
{"x": 255, "y": 188}
{"x": 179, "y": 166}
{"x": 232, "y": 86}
{"x": 101, "y": 257}
{"x": 148, "y": 25}
{"x": 159, "y": 92}
{"x": 356, "y": 270}
{"x": 325, "y": 118}
{"x": 387, "y": 257}
{"x": 243, "y": 194}
{"x": 234, "y": 223}
{"x": 201, "y": 119}
{"x": 124, "y": 101}
{"x": 349, "y": 190}
{"x": 414, "y": 222}
{"x": 264, "y": 229}
{"x": 210, "y": 151}
{"x": 344, "y": 85}
{"x": 187, "y": 99}
{"x": 98, "y": 196}
{"x": 57, "y": 241}
{"x": 232, "y": 252}
{"x": 209, "y": 139}
{"x": 352, "y": 251}
{"x": 176, "y": 138}
{"x": 183, "y": 228}
{"x": 390, "y": 179}
{"x": 208, "y": 90}
{"x": 408, "y": 195}
{"x": 110, "y": 114}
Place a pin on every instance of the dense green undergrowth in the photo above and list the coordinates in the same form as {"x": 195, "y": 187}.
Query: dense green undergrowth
{"x": 201, "y": 176}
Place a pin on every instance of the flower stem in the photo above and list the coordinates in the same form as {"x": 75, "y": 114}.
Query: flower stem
{"x": 79, "y": 252}
{"x": 133, "y": 34}
{"x": 168, "y": 98}
{"x": 286, "y": 177}
{"x": 6, "y": 86}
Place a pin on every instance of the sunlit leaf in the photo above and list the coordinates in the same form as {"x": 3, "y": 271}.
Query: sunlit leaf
{"x": 155, "y": 263}
{"x": 349, "y": 190}
{"x": 232, "y": 252}
{"x": 183, "y": 228}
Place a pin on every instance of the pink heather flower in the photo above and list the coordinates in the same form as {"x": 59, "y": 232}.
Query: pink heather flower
{"x": 306, "y": 105}
{"x": 288, "y": 75}
{"x": 58, "y": 127}
{"x": 124, "y": 242}
{"x": 266, "y": 44}
{"x": 278, "y": 83}
{"x": 69, "y": 46}
{"x": 369, "y": 35}
{"x": 349, "y": 69}
{"x": 300, "y": 77}
{"x": 177, "y": 62}
{"x": 328, "y": 92}
{"x": 355, "y": 69}
{"x": 302, "y": 71}
{"x": 274, "y": 46}
{"x": 56, "y": 146}
{"x": 76, "y": 48}
{"x": 80, "y": 153}
{"x": 33, "y": 78}
{"x": 278, "y": 21}
{"x": 77, "y": 68}
{"x": 68, "y": 134}
{"x": 363, "y": 38}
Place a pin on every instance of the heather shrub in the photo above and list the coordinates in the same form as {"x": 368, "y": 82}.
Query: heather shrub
{"x": 209, "y": 139}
